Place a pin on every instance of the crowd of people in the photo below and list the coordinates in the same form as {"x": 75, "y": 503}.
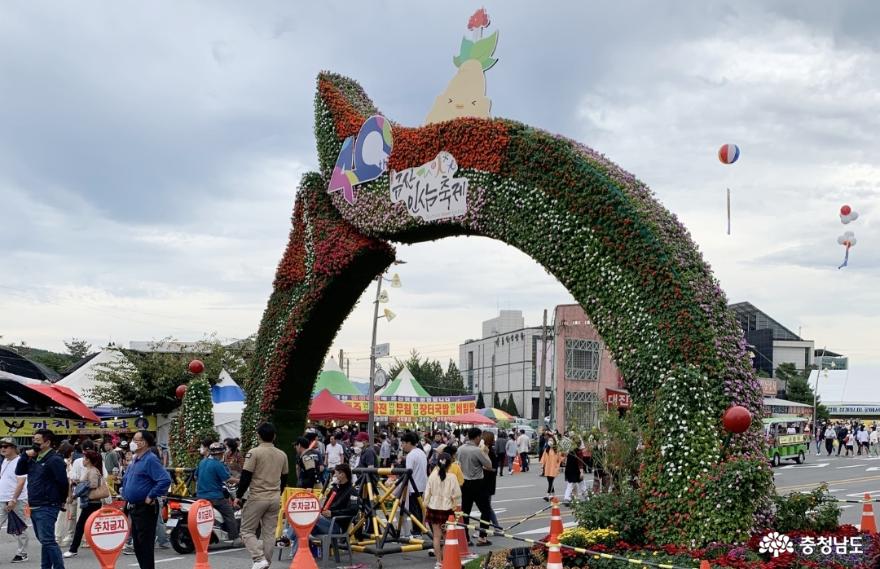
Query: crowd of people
{"x": 852, "y": 438}
{"x": 449, "y": 470}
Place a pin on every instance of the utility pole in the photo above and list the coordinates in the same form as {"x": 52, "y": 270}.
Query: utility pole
{"x": 492, "y": 395}
{"x": 348, "y": 368}
{"x": 542, "y": 403}
{"x": 340, "y": 360}
{"x": 372, "y": 414}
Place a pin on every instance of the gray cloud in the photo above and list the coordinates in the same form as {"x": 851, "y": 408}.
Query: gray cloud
{"x": 151, "y": 153}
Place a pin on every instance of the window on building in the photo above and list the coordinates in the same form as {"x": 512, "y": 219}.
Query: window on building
{"x": 581, "y": 409}
{"x": 582, "y": 359}
{"x": 470, "y": 371}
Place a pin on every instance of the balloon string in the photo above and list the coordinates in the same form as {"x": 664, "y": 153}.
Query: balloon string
{"x": 845, "y": 259}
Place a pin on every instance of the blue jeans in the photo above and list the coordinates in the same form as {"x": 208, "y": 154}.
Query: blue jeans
{"x": 322, "y": 527}
{"x": 43, "y": 518}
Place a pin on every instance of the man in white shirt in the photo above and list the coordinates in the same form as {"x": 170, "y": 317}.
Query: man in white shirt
{"x": 334, "y": 454}
{"x": 13, "y": 493}
{"x": 417, "y": 461}
{"x": 385, "y": 452}
{"x": 522, "y": 445}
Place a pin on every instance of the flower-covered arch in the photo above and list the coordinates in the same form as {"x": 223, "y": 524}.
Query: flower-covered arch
{"x": 599, "y": 231}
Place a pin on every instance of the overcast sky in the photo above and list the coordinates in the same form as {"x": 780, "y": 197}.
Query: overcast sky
{"x": 150, "y": 155}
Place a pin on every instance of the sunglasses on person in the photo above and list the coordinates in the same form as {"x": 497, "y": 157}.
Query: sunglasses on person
{"x": 5, "y": 446}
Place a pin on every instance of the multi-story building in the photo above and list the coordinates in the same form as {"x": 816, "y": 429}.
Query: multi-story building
{"x": 581, "y": 377}
{"x": 585, "y": 378}
{"x": 771, "y": 342}
{"x": 506, "y": 361}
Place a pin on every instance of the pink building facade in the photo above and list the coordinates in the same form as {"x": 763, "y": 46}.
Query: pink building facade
{"x": 585, "y": 379}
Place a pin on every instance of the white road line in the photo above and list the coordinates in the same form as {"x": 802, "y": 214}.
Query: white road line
{"x": 862, "y": 494}
{"x": 836, "y": 489}
{"x": 546, "y": 529}
{"x": 513, "y": 487}
{"x": 518, "y": 499}
{"x": 157, "y": 561}
{"x": 219, "y": 551}
{"x": 850, "y": 466}
{"x": 818, "y": 465}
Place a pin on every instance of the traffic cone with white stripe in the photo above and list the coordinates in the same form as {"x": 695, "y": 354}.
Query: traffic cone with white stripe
{"x": 451, "y": 556}
{"x": 554, "y": 556}
{"x": 461, "y": 536}
{"x": 517, "y": 465}
{"x": 869, "y": 524}
{"x": 556, "y": 528}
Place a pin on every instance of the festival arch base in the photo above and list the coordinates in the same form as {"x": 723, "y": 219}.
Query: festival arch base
{"x": 596, "y": 228}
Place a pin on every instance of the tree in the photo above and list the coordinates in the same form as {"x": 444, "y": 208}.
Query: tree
{"x": 798, "y": 389}
{"x": 511, "y": 406}
{"x": 148, "y": 380}
{"x": 78, "y": 348}
{"x": 194, "y": 423}
{"x": 429, "y": 374}
{"x": 53, "y": 360}
{"x": 480, "y": 403}
{"x": 496, "y": 402}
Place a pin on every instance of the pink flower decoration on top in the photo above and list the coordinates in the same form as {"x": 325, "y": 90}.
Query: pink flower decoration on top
{"x": 480, "y": 19}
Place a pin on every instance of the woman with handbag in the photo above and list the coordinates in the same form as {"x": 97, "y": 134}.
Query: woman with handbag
{"x": 89, "y": 491}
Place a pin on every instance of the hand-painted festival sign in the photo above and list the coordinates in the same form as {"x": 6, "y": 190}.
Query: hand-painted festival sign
{"x": 431, "y": 191}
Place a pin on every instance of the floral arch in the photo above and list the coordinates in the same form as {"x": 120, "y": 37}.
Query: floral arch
{"x": 599, "y": 231}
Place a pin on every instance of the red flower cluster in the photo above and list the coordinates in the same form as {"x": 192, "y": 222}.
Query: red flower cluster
{"x": 480, "y": 19}
{"x": 480, "y": 144}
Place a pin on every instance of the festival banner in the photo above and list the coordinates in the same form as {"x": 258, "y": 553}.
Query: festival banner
{"x": 27, "y": 426}
{"x": 413, "y": 408}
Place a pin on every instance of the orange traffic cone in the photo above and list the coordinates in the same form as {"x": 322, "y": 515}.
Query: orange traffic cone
{"x": 517, "y": 466}
{"x": 556, "y": 528}
{"x": 554, "y": 557}
{"x": 461, "y": 537}
{"x": 451, "y": 556}
{"x": 869, "y": 524}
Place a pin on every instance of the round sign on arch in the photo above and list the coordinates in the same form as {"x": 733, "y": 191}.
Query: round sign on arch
{"x": 626, "y": 259}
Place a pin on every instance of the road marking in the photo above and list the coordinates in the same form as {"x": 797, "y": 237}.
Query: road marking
{"x": 845, "y": 506}
{"x": 545, "y": 530}
{"x": 512, "y": 487}
{"x": 842, "y": 481}
{"x": 225, "y": 551}
{"x": 862, "y": 494}
{"x": 517, "y": 500}
{"x": 851, "y": 466}
{"x": 819, "y": 465}
{"x": 836, "y": 489}
{"x": 157, "y": 561}
{"x": 872, "y": 469}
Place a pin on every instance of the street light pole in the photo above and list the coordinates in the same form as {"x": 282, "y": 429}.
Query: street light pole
{"x": 816, "y": 393}
{"x": 372, "y": 410}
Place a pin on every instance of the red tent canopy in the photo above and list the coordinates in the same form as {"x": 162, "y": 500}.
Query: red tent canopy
{"x": 470, "y": 419}
{"x": 325, "y": 407}
{"x": 49, "y": 394}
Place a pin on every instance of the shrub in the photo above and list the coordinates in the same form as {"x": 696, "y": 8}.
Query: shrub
{"x": 814, "y": 511}
{"x": 619, "y": 511}
{"x": 586, "y": 538}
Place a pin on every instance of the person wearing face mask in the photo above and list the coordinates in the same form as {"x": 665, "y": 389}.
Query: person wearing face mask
{"x": 13, "y": 493}
{"x": 550, "y": 460}
{"x": 145, "y": 481}
{"x": 341, "y": 502}
{"x": 47, "y": 492}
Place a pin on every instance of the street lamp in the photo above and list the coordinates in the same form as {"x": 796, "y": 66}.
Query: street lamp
{"x": 816, "y": 390}
{"x": 381, "y": 297}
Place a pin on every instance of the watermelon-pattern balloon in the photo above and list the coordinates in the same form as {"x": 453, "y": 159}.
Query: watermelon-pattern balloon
{"x": 728, "y": 153}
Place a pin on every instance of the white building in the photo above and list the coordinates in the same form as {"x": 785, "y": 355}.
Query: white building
{"x": 506, "y": 360}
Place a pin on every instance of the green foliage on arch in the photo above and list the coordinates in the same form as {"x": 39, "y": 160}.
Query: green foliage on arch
{"x": 602, "y": 234}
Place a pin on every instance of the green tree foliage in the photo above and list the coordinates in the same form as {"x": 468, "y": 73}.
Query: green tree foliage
{"x": 194, "y": 423}
{"x": 496, "y": 402}
{"x": 798, "y": 389}
{"x": 480, "y": 403}
{"x": 429, "y": 373}
{"x": 53, "y": 360}
{"x": 148, "y": 380}
{"x": 510, "y": 406}
{"x": 78, "y": 348}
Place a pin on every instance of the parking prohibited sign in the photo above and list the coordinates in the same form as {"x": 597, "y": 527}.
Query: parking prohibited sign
{"x": 302, "y": 511}
{"x": 106, "y": 532}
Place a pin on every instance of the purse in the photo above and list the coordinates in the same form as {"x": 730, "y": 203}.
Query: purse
{"x": 102, "y": 492}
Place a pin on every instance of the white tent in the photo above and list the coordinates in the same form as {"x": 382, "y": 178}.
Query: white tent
{"x": 82, "y": 380}
{"x": 228, "y": 401}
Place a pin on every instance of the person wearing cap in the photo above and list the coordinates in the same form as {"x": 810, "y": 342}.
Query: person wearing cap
{"x": 211, "y": 477}
{"x": 13, "y": 493}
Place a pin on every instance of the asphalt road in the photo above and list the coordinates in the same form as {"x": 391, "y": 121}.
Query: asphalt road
{"x": 516, "y": 497}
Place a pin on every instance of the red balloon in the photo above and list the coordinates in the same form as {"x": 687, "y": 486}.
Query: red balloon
{"x": 196, "y": 367}
{"x": 845, "y": 210}
{"x": 180, "y": 391}
{"x": 737, "y": 419}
